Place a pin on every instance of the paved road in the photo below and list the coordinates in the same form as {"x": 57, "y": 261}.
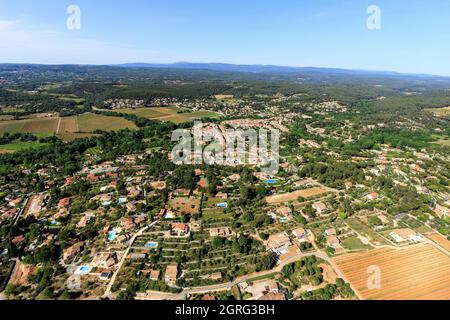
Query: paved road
{"x": 108, "y": 293}
{"x": 154, "y": 295}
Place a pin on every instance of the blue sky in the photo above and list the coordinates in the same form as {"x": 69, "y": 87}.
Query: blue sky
{"x": 415, "y": 34}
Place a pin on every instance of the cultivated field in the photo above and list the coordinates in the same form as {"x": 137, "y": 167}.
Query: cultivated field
{"x": 35, "y": 125}
{"x": 90, "y": 122}
{"x": 440, "y": 240}
{"x": 67, "y": 128}
{"x": 19, "y": 145}
{"x": 170, "y": 114}
{"x": 68, "y": 124}
{"x": 292, "y": 196}
{"x": 185, "y": 205}
{"x": 419, "y": 272}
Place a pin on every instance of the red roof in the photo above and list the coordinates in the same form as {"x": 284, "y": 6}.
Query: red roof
{"x": 180, "y": 227}
{"x": 64, "y": 202}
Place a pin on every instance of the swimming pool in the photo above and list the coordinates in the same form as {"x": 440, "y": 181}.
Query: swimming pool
{"x": 222, "y": 205}
{"x": 112, "y": 235}
{"x": 83, "y": 270}
{"x": 151, "y": 245}
{"x": 271, "y": 181}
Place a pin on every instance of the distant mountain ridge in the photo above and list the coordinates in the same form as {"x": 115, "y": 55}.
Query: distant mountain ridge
{"x": 247, "y": 68}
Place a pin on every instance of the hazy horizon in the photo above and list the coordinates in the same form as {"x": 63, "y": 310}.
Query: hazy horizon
{"x": 323, "y": 34}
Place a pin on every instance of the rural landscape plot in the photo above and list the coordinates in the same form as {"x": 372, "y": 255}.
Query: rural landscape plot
{"x": 414, "y": 273}
{"x": 171, "y": 114}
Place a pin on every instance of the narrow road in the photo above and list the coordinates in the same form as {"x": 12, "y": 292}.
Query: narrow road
{"x": 107, "y": 293}
{"x": 59, "y": 125}
{"x": 227, "y": 286}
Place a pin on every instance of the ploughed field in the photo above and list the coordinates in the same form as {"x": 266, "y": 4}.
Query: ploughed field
{"x": 67, "y": 128}
{"x": 32, "y": 125}
{"x": 420, "y": 272}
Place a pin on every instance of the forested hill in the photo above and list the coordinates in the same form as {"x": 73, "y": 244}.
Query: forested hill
{"x": 221, "y": 72}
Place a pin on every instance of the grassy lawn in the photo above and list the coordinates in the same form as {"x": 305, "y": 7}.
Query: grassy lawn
{"x": 68, "y": 97}
{"x": 11, "y": 126}
{"x": 353, "y": 243}
{"x": 203, "y": 114}
{"x": 216, "y": 213}
{"x": 17, "y": 146}
{"x": 12, "y": 109}
{"x": 365, "y": 230}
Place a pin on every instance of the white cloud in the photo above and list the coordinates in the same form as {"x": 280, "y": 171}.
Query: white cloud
{"x": 20, "y": 43}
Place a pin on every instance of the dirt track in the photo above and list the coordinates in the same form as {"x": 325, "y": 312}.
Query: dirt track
{"x": 292, "y": 196}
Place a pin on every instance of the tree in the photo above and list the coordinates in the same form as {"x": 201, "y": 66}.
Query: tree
{"x": 10, "y": 289}
{"x": 331, "y": 251}
{"x": 263, "y": 236}
{"x": 375, "y": 221}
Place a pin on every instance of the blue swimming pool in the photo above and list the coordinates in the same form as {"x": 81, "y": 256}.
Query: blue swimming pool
{"x": 151, "y": 245}
{"x": 83, "y": 270}
{"x": 112, "y": 235}
{"x": 271, "y": 181}
{"x": 222, "y": 205}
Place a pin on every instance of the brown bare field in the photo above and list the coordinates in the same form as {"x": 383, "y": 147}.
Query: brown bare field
{"x": 20, "y": 274}
{"x": 41, "y": 125}
{"x": 33, "y": 206}
{"x": 440, "y": 240}
{"x": 68, "y": 125}
{"x": 185, "y": 205}
{"x": 4, "y": 151}
{"x": 223, "y": 96}
{"x": 419, "y": 272}
{"x": 292, "y": 196}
